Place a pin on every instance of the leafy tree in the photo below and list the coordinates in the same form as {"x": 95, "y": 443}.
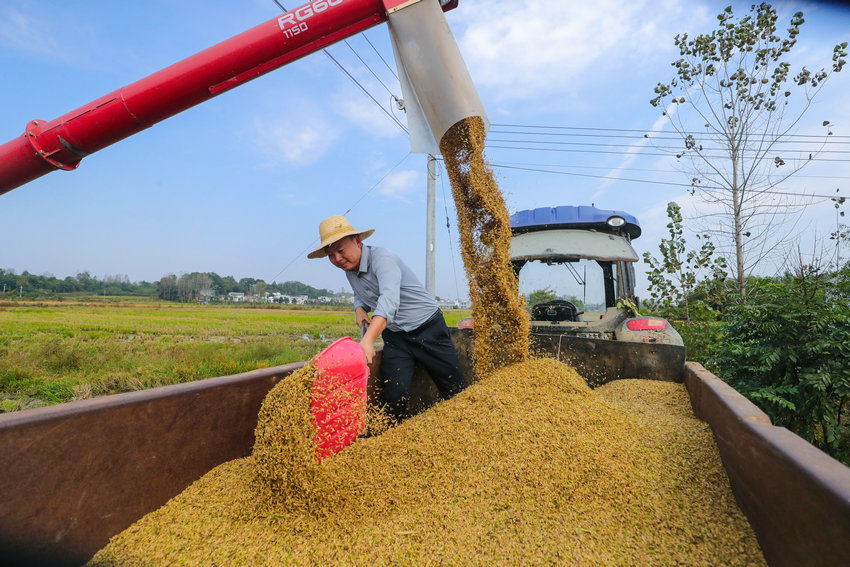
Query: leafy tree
{"x": 540, "y": 296}
{"x": 88, "y": 282}
{"x": 787, "y": 348}
{"x": 189, "y": 286}
{"x": 167, "y": 287}
{"x": 228, "y": 284}
{"x": 170, "y": 288}
{"x": 688, "y": 287}
{"x": 68, "y": 285}
{"x": 246, "y": 285}
{"x": 841, "y": 235}
{"x": 676, "y": 275}
{"x": 576, "y": 301}
{"x": 298, "y": 288}
{"x": 735, "y": 86}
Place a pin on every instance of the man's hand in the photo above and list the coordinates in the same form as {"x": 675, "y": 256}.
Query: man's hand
{"x": 376, "y": 327}
{"x": 362, "y": 317}
{"x": 368, "y": 349}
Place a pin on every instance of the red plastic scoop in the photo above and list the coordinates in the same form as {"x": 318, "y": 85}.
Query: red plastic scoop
{"x": 339, "y": 396}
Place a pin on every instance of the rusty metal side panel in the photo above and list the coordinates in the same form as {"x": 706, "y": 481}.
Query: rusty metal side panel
{"x": 601, "y": 360}
{"x": 73, "y": 475}
{"x": 796, "y": 497}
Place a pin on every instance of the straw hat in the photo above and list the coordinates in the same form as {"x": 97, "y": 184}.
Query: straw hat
{"x": 332, "y": 229}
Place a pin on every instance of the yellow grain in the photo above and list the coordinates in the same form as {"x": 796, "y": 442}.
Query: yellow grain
{"x": 526, "y": 466}
{"x": 501, "y": 324}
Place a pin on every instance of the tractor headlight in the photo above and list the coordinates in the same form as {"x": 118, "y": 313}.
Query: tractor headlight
{"x": 616, "y": 221}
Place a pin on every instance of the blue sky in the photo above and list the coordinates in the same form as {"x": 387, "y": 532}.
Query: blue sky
{"x": 239, "y": 184}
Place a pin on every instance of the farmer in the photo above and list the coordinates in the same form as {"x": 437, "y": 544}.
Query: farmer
{"x": 403, "y": 313}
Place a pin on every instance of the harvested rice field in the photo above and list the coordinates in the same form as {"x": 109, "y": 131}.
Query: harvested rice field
{"x": 526, "y": 466}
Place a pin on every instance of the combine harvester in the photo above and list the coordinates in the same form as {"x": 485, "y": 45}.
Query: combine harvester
{"x": 75, "y": 474}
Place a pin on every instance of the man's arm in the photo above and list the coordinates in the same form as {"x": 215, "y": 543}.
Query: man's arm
{"x": 376, "y": 327}
{"x": 388, "y": 273}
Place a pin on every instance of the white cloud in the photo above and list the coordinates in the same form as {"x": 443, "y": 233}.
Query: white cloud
{"x": 633, "y": 152}
{"x": 300, "y": 137}
{"x": 525, "y": 49}
{"x": 376, "y": 165}
{"x": 402, "y": 185}
{"x": 20, "y": 31}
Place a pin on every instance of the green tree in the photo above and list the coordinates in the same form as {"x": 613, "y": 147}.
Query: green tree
{"x": 167, "y": 287}
{"x": 787, "y": 348}
{"x": 189, "y": 286}
{"x": 576, "y": 301}
{"x": 730, "y": 102}
{"x": 298, "y": 288}
{"x": 675, "y": 277}
{"x": 246, "y": 285}
{"x": 688, "y": 287}
{"x": 89, "y": 283}
{"x": 228, "y": 284}
{"x": 540, "y": 296}
{"x": 841, "y": 235}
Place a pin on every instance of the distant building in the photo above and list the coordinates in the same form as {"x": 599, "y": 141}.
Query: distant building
{"x": 453, "y": 304}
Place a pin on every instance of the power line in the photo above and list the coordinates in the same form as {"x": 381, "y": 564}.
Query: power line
{"x": 377, "y": 78}
{"x": 648, "y": 169}
{"x": 664, "y": 136}
{"x": 694, "y": 132}
{"x": 666, "y": 148}
{"x": 653, "y": 182}
{"x": 381, "y": 56}
{"x": 355, "y": 81}
{"x": 312, "y": 245}
{"x": 637, "y": 152}
{"x": 366, "y": 92}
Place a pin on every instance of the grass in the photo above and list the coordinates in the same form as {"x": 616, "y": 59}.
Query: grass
{"x": 53, "y": 352}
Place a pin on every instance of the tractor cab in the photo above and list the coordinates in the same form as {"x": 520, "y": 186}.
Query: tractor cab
{"x": 576, "y": 266}
{"x": 577, "y": 250}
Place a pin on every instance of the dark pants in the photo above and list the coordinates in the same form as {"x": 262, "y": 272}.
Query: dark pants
{"x": 432, "y": 347}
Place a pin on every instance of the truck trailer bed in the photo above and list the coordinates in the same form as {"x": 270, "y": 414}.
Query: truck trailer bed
{"x": 73, "y": 475}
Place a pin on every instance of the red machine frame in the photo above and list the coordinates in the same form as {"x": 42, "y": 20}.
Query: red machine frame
{"x": 62, "y": 143}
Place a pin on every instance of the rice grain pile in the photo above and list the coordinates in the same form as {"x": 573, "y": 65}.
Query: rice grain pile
{"x": 500, "y": 320}
{"x": 526, "y": 466}
{"x": 286, "y": 472}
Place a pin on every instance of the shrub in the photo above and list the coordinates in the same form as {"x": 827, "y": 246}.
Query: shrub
{"x": 787, "y": 348}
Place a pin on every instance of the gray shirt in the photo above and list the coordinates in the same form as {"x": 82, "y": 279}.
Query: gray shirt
{"x": 384, "y": 284}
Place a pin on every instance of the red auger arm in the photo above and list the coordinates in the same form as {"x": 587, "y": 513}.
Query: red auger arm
{"x": 63, "y": 142}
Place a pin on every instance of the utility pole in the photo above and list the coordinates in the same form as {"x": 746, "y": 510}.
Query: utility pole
{"x": 837, "y": 239}
{"x": 430, "y": 277}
